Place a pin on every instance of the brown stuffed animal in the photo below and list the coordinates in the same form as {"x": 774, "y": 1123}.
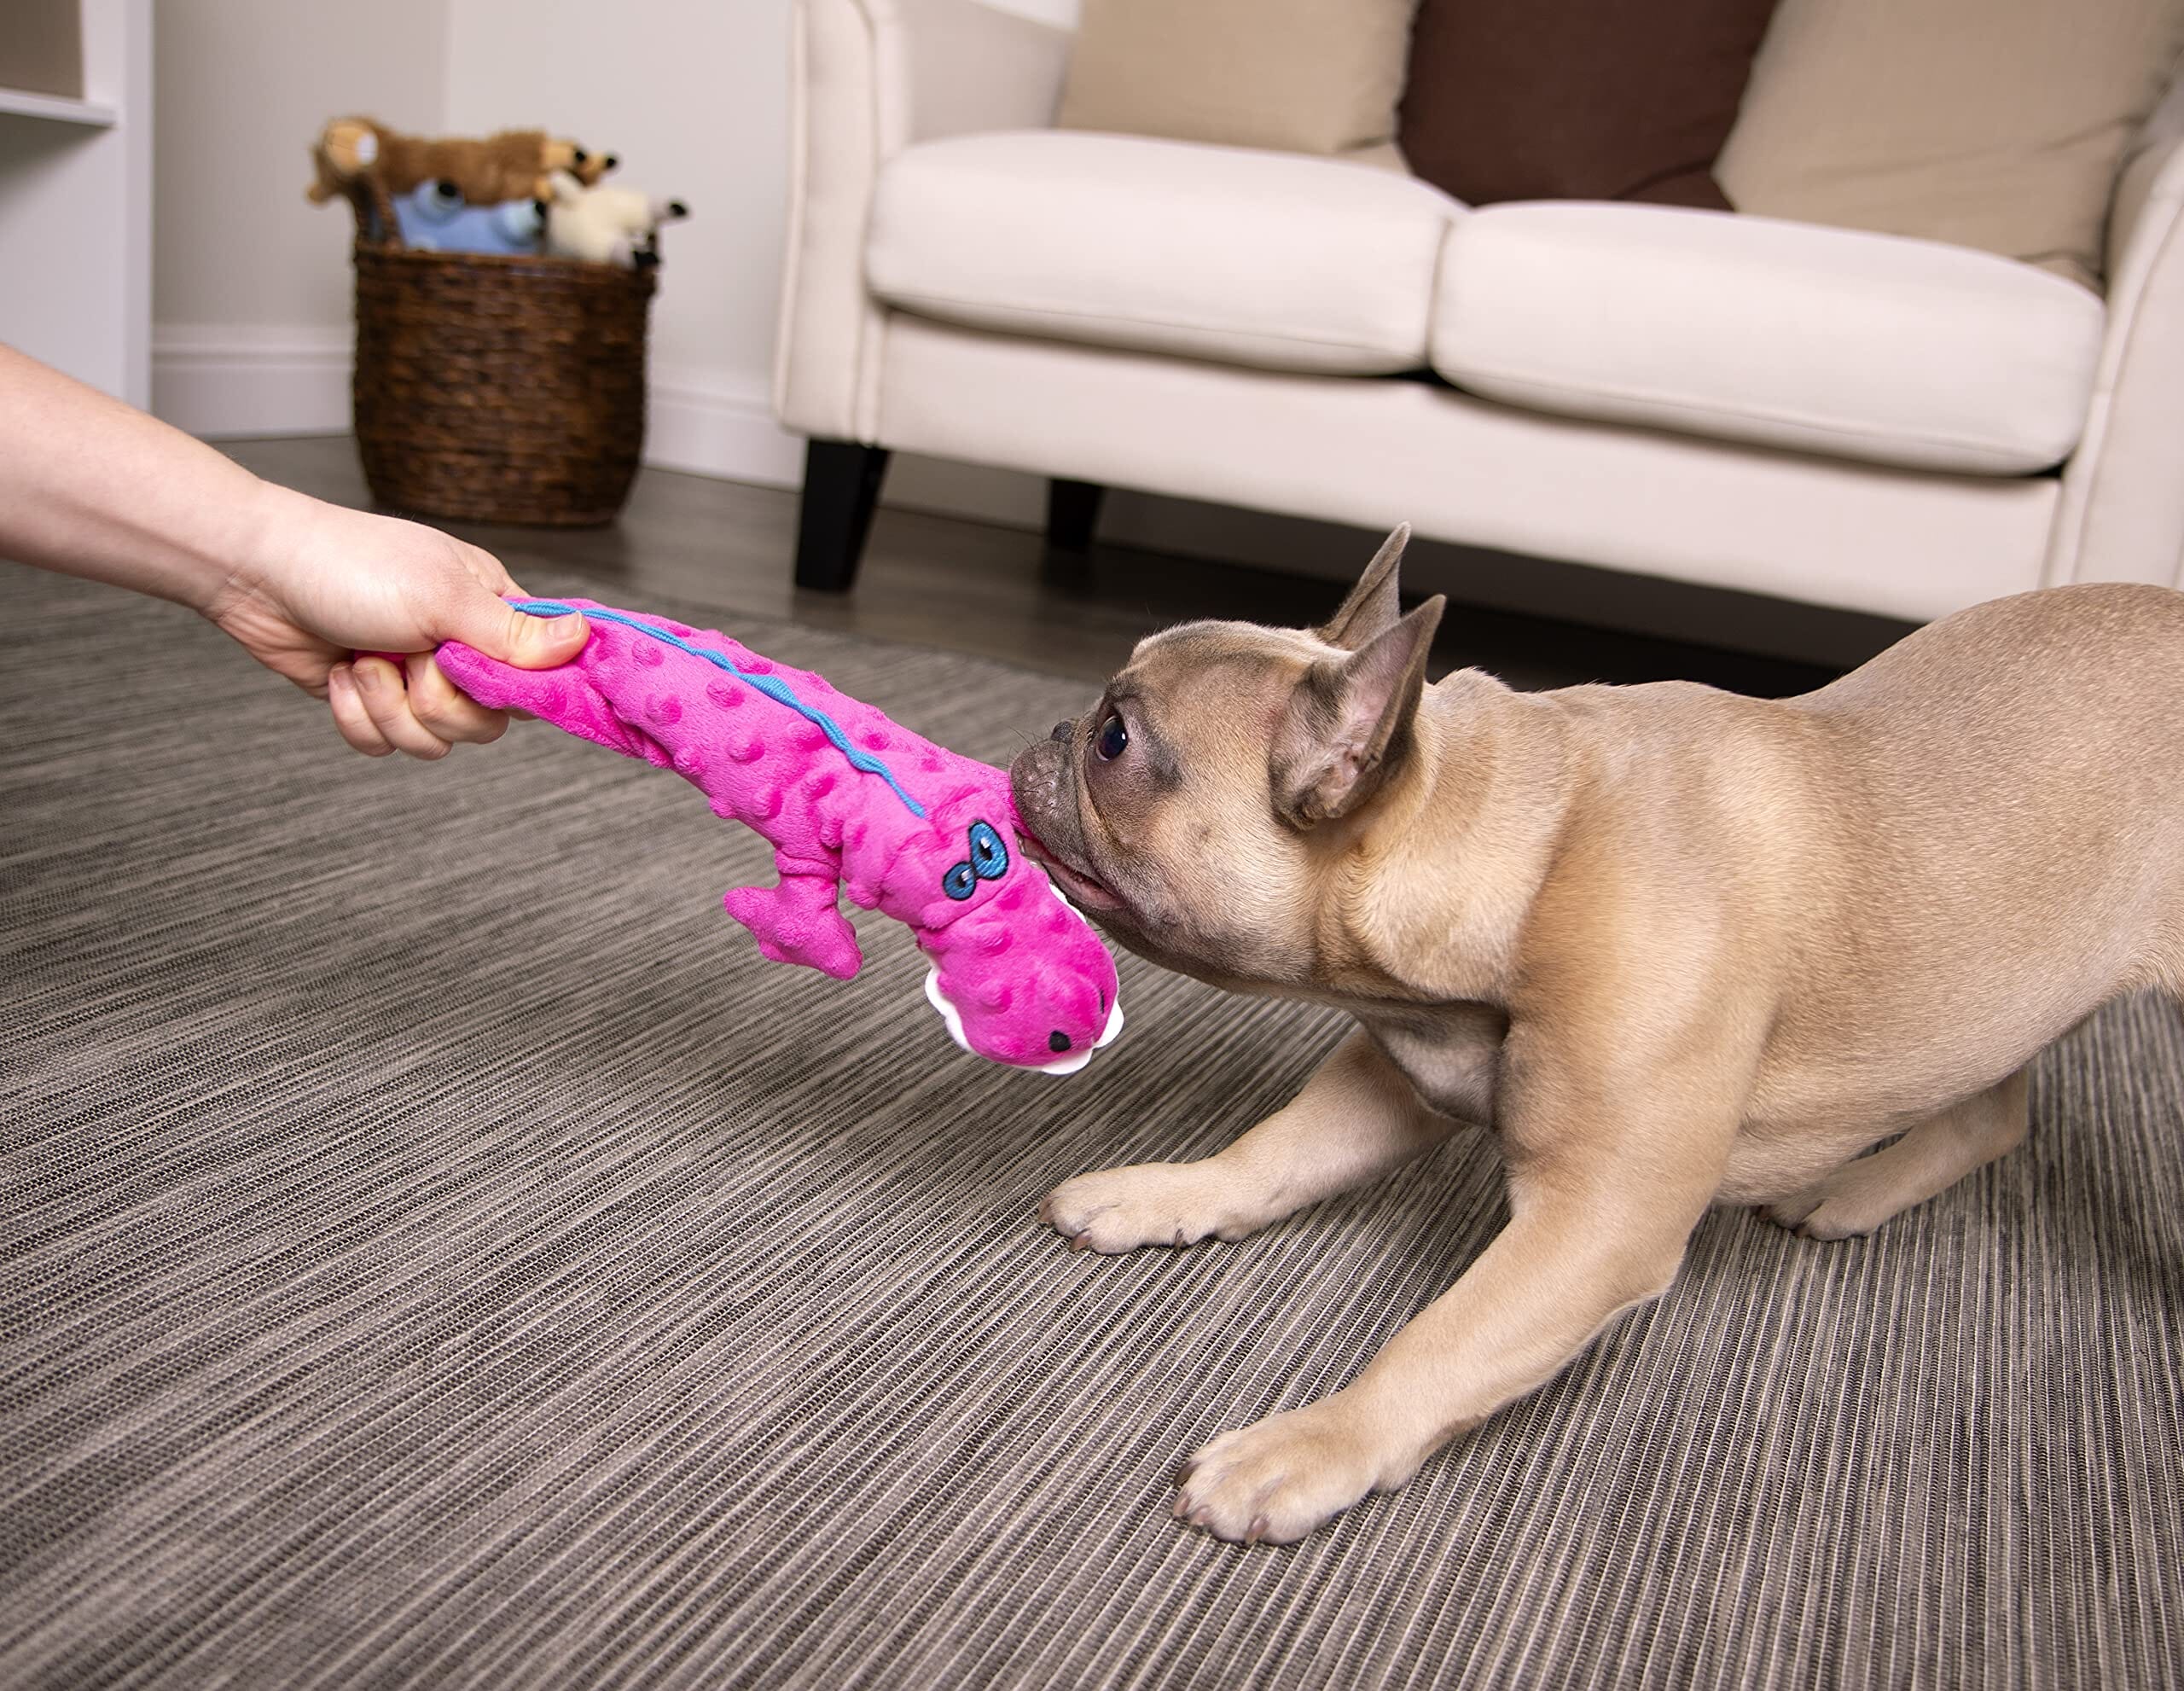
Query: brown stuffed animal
{"x": 517, "y": 164}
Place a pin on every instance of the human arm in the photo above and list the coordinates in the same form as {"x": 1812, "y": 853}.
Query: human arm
{"x": 91, "y": 487}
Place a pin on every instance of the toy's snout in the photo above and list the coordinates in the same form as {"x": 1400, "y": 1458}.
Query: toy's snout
{"x": 1031, "y": 985}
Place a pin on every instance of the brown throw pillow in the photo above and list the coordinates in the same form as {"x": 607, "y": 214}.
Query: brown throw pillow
{"x": 1577, "y": 99}
{"x": 1295, "y": 76}
{"x": 1995, "y": 124}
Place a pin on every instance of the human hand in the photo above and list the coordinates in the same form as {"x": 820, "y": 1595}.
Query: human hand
{"x": 327, "y": 584}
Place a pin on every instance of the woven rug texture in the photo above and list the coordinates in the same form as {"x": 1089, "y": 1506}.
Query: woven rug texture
{"x": 438, "y": 1251}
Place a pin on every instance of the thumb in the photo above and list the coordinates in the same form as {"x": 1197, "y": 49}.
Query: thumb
{"x": 498, "y": 629}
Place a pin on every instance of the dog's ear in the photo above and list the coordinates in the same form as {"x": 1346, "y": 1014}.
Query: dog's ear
{"x": 1371, "y": 609}
{"x": 1348, "y": 723}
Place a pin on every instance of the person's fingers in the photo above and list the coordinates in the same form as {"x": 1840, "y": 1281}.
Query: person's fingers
{"x": 349, "y": 716}
{"x": 500, "y": 631}
{"x": 442, "y": 710}
{"x": 387, "y": 704}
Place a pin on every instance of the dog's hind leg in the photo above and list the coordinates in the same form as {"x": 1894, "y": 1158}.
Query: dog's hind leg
{"x": 1355, "y": 1119}
{"x": 1863, "y": 1193}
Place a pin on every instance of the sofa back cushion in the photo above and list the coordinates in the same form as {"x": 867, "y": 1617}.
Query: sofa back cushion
{"x": 1994, "y": 124}
{"x": 1297, "y": 76}
{"x": 1577, "y": 99}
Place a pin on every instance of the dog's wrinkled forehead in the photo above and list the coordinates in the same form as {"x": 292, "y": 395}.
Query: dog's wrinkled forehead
{"x": 1217, "y": 676}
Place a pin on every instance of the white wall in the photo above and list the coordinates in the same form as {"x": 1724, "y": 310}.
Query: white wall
{"x": 693, "y": 96}
{"x": 251, "y": 287}
{"x": 252, "y": 295}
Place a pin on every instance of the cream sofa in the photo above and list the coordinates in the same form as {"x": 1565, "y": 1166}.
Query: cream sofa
{"x": 1854, "y": 419}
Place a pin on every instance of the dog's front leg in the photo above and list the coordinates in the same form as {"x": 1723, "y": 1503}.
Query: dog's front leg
{"x": 1608, "y": 1174}
{"x": 1355, "y": 1119}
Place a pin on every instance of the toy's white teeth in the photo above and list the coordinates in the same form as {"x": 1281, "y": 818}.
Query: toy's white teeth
{"x": 1069, "y": 1065}
{"x": 949, "y": 1012}
{"x": 1066, "y": 1065}
{"x": 1076, "y": 1060}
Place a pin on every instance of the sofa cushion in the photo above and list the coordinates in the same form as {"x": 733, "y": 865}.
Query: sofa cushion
{"x": 1572, "y": 100}
{"x": 1301, "y": 76}
{"x": 1250, "y": 257}
{"x": 1834, "y": 341}
{"x": 1995, "y": 124}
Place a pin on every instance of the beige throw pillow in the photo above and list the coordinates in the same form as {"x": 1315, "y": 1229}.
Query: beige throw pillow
{"x": 1297, "y": 76}
{"x": 1994, "y": 124}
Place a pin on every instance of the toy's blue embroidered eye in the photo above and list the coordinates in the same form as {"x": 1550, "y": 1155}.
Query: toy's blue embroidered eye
{"x": 988, "y": 862}
{"x": 988, "y": 856}
{"x": 1114, "y": 738}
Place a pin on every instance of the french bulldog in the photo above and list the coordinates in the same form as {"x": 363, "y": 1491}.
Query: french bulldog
{"x": 1670, "y": 946}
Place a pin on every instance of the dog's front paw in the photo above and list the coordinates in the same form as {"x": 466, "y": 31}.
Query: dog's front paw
{"x": 1118, "y": 1210}
{"x": 1276, "y": 1479}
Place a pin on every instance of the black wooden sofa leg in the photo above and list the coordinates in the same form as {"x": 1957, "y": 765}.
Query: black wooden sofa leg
{"x": 841, "y": 485}
{"x": 1072, "y": 510}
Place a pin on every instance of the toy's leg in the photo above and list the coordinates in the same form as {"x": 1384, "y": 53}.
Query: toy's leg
{"x": 797, "y": 921}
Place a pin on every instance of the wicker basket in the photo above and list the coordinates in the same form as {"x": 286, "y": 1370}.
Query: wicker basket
{"x": 496, "y": 389}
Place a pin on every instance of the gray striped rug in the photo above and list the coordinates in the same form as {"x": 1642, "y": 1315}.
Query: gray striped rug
{"x": 438, "y": 1252}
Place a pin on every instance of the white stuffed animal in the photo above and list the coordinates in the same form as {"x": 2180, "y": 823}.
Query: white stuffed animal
{"x": 606, "y": 225}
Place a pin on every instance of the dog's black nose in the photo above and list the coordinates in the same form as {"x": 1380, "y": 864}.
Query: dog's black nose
{"x": 1057, "y": 1041}
{"x": 1062, "y": 731}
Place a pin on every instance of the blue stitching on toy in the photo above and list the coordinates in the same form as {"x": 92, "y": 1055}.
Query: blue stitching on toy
{"x": 771, "y": 685}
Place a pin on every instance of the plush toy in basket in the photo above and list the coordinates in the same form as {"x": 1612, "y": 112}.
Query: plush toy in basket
{"x": 851, "y": 802}
{"x": 434, "y": 217}
{"x": 518, "y": 192}
{"x": 516, "y": 164}
{"x": 607, "y": 225}
{"x": 496, "y": 381}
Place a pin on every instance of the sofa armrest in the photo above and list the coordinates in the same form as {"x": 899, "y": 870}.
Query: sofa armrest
{"x": 968, "y": 68}
{"x": 2121, "y": 517}
{"x": 870, "y": 77}
{"x": 2158, "y": 140}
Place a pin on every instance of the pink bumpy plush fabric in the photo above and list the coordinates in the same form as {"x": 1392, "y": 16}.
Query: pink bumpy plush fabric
{"x": 1017, "y": 974}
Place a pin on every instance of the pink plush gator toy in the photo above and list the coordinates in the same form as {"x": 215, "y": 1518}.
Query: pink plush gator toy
{"x": 848, "y": 801}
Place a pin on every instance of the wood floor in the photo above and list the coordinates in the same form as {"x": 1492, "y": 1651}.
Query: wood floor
{"x": 984, "y": 590}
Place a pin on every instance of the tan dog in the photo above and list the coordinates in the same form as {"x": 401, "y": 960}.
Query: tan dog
{"x": 1674, "y": 947}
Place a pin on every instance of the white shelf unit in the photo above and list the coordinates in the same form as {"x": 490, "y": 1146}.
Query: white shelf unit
{"x": 76, "y": 211}
{"x": 20, "y": 102}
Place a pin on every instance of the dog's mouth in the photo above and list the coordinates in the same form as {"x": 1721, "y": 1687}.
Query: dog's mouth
{"x": 1083, "y": 888}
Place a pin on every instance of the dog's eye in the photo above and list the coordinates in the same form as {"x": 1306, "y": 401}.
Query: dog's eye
{"x": 1114, "y": 738}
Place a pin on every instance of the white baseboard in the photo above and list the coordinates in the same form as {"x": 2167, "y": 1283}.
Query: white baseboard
{"x": 223, "y": 381}
{"x": 719, "y": 423}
